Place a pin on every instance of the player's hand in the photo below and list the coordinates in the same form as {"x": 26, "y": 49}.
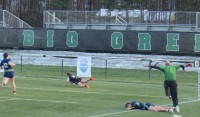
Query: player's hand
{"x": 128, "y": 108}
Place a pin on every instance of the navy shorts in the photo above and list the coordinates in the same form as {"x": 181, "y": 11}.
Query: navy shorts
{"x": 9, "y": 74}
{"x": 147, "y": 105}
{"x": 76, "y": 81}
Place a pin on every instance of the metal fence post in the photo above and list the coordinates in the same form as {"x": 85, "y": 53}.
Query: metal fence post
{"x": 106, "y": 69}
{"x": 62, "y": 67}
{"x": 21, "y": 64}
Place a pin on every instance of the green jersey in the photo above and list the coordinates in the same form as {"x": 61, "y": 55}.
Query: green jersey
{"x": 170, "y": 71}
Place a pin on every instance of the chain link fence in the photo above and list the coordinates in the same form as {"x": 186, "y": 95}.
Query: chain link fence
{"x": 38, "y": 66}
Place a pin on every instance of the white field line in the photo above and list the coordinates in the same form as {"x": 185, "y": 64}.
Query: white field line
{"x": 81, "y": 91}
{"x": 74, "y": 115}
{"x": 90, "y": 92}
{"x": 27, "y": 99}
{"x": 113, "y": 113}
{"x": 22, "y": 77}
{"x": 6, "y": 100}
{"x": 108, "y": 114}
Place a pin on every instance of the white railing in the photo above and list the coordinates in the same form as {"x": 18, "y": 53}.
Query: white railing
{"x": 12, "y": 21}
{"x": 50, "y": 18}
{"x": 119, "y": 19}
{"x": 198, "y": 21}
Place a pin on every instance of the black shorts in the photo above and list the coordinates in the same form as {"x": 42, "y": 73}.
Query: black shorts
{"x": 77, "y": 80}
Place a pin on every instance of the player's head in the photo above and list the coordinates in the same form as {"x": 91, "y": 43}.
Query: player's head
{"x": 5, "y": 55}
{"x": 128, "y": 106}
{"x": 69, "y": 74}
{"x": 167, "y": 63}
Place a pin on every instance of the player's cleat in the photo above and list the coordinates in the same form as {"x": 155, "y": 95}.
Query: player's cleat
{"x": 92, "y": 78}
{"x": 177, "y": 109}
{"x": 87, "y": 86}
{"x": 14, "y": 92}
{"x": 170, "y": 97}
{"x": 2, "y": 84}
{"x": 171, "y": 110}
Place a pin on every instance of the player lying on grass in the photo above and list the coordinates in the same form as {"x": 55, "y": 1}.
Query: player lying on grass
{"x": 78, "y": 81}
{"x": 147, "y": 106}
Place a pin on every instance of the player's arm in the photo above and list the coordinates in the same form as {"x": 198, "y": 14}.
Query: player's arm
{"x": 1, "y": 65}
{"x": 186, "y": 65}
{"x": 11, "y": 64}
{"x": 67, "y": 82}
{"x": 183, "y": 67}
{"x": 130, "y": 108}
{"x": 180, "y": 66}
{"x": 155, "y": 67}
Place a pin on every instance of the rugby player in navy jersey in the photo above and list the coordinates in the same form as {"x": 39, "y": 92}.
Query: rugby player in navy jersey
{"x": 78, "y": 81}
{"x": 9, "y": 72}
{"x": 147, "y": 106}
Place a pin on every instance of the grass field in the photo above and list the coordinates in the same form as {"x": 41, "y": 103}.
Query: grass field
{"x": 47, "y": 97}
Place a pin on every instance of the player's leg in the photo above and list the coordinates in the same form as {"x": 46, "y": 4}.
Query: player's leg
{"x": 167, "y": 91}
{"x": 174, "y": 93}
{"x": 5, "y": 81}
{"x": 166, "y": 88}
{"x": 79, "y": 83}
{"x": 87, "y": 80}
{"x": 13, "y": 85}
{"x": 157, "y": 109}
{"x": 160, "y": 109}
{"x": 82, "y": 86}
{"x": 173, "y": 90}
{"x": 12, "y": 78}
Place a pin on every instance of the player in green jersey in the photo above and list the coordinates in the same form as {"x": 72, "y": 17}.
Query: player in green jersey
{"x": 169, "y": 71}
